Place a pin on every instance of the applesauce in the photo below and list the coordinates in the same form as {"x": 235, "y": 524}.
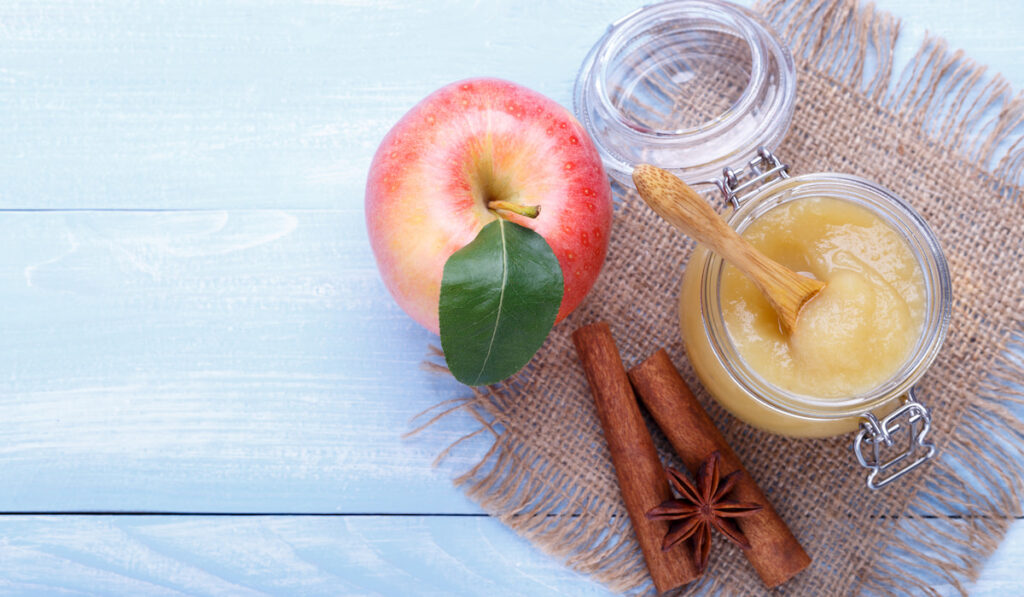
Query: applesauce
{"x": 857, "y": 331}
{"x": 859, "y": 345}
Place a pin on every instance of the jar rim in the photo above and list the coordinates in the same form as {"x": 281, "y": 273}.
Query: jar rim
{"x": 900, "y": 216}
{"x": 621, "y": 31}
{"x": 694, "y": 30}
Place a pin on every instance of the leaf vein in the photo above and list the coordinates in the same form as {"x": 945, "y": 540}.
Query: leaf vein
{"x": 501, "y": 300}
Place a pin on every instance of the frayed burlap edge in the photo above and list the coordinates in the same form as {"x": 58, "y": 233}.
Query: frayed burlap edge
{"x": 949, "y": 98}
{"x": 971, "y": 495}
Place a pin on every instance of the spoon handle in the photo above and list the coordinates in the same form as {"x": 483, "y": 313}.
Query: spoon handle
{"x": 684, "y": 208}
{"x": 681, "y": 206}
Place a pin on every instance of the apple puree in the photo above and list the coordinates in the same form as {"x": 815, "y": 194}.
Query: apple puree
{"x": 859, "y": 330}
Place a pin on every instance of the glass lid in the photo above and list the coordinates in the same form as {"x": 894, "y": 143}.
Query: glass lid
{"x": 692, "y": 86}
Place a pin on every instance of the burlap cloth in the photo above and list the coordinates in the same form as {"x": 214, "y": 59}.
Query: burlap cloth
{"x": 943, "y": 136}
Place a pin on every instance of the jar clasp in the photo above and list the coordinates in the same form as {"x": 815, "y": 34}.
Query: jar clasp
{"x": 881, "y": 433}
{"x": 736, "y": 185}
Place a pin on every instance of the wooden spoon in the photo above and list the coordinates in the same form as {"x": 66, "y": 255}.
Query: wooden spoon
{"x": 674, "y": 200}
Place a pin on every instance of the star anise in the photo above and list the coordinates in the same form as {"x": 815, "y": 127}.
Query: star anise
{"x": 702, "y": 507}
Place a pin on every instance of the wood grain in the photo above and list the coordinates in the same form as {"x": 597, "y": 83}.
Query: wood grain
{"x": 242, "y": 355}
{"x": 275, "y": 555}
{"x": 691, "y": 214}
{"x": 211, "y": 361}
{"x": 311, "y": 555}
{"x": 272, "y": 103}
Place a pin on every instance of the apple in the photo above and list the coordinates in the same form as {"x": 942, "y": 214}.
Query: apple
{"x": 469, "y": 153}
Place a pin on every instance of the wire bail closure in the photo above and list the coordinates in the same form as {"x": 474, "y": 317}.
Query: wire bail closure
{"x": 885, "y": 433}
{"x": 737, "y": 185}
{"x": 911, "y": 420}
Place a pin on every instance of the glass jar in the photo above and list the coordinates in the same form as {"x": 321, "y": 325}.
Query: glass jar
{"x": 745, "y": 393}
{"x": 705, "y": 89}
{"x": 689, "y": 86}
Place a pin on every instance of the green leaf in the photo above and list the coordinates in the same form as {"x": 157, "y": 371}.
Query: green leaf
{"x": 500, "y": 295}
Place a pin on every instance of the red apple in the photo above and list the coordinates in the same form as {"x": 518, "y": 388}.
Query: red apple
{"x": 465, "y": 145}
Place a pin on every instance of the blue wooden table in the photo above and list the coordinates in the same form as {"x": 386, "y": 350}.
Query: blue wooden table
{"x": 204, "y": 382}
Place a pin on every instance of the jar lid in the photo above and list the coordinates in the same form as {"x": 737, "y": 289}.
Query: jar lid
{"x": 691, "y": 86}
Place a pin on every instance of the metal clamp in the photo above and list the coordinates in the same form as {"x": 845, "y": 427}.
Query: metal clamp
{"x": 886, "y": 432}
{"x": 735, "y": 185}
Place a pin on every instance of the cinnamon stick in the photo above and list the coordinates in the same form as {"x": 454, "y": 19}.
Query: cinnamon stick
{"x": 774, "y": 551}
{"x": 639, "y": 470}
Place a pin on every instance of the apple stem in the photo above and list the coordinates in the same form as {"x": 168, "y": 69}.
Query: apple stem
{"x": 530, "y": 211}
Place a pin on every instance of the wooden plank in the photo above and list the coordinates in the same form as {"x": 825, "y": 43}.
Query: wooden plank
{"x": 178, "y": 555}
{"x": 280, "y": 104}
{"x": 246, "y": 104}
{"x": 212, "y": 361}
{"x": 250, "y": 360}
{"x": 288, "y": 555}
